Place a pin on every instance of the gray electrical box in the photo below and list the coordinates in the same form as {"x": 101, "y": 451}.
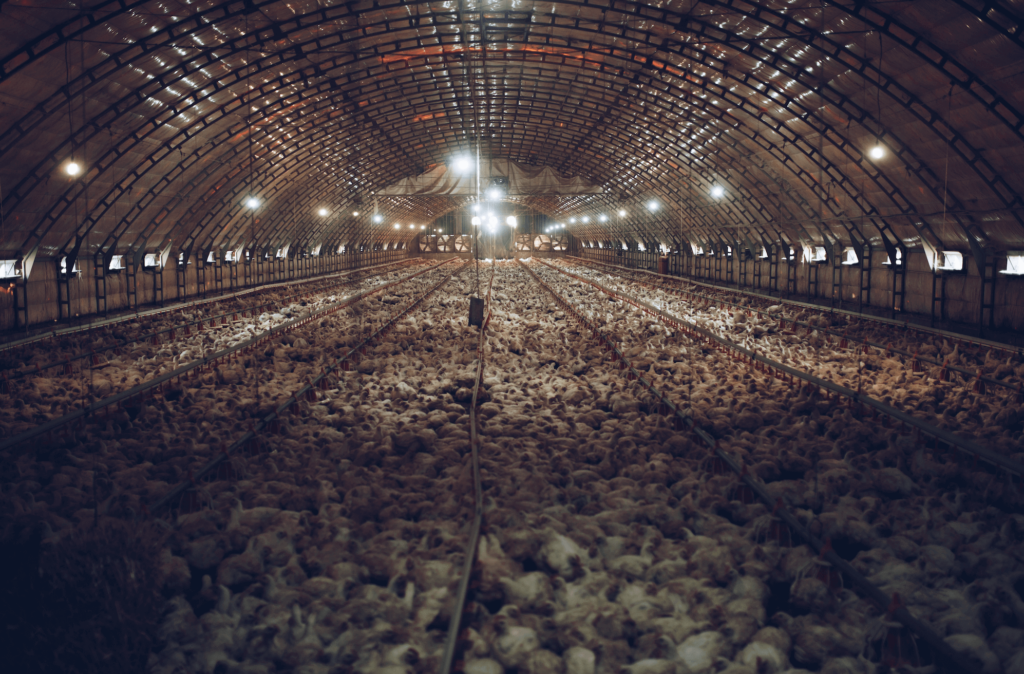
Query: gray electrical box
{"x": 476, "y": 311}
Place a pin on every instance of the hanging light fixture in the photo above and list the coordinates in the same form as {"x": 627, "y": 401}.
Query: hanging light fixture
{"x": 877, "y": 152}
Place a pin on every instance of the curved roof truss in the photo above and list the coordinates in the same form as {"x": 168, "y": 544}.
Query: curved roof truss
{"x": 181, "y": 112}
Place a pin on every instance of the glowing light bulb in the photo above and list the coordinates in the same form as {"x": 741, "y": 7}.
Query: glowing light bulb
{"x": 397, "y": 226}
{"x": 73, "y": 168}
{"x": 717, "y": 191}
{"x": 622, "y": 213}
{"x": 877, "y": 152}
{"x": 252, "y": 202}
{"x": 463, "y": 164}
{"x": 586, "y": 219}
{"x": 378, "y": 218}
{"x": 322, "y": 212}
{"x": 652, "y": 205}
{"x": 355, "y": 213}
{"x": 603, "y": 218}
{"x": 476, "y": 220}
{"x": 511, "y": 221}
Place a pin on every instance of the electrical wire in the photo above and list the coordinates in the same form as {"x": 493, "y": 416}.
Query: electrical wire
{"x": 945, "y": 179}
{"x": 252, "y": 211}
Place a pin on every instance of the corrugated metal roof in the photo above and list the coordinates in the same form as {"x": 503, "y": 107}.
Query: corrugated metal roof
{"x": 179, "y": 111}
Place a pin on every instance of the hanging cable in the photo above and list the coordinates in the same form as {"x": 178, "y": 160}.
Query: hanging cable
{"x": 821, "y": 137}
{"x": 252, "y": 209}
{"x": 878, "y": 90}
{"x": 945, "y": 179}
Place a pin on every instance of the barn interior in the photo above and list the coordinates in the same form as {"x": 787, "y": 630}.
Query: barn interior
{"x": 509, "y": 337}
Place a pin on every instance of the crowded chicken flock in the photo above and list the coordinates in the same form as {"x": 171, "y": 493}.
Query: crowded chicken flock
{"x": 610, "y": 543}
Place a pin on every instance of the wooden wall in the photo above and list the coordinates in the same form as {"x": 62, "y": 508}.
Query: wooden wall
{"x": 962, "y": 289}
{"x": 42, "y": 287}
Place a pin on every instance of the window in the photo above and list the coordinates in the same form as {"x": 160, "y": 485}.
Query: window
{"x": 229, "y": 256}
{"x": 209, "y": 257}
{"x": 149, "y": 260}
{"x": 949, "y": 260}
{"x": 818, "y": 254}
{"x": 664, "y": 249}
{"x": 697, "y": 250}
{"x": 9, "y": 269}
{"x": 64, "y": 266}
{"x": 624, "y": 246}
{"x": 899, "y": 258}
{"x": 764, "y": 253}
{"x": 117, "y": 263}
{"x": 1014, "y": 264}
{"x": 641, "y": 247}
{"x": 850, "y": 256}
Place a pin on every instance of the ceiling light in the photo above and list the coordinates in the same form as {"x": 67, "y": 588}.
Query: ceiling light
{"x": 877, "y": 152}
{"x": 476, "y": 220}
{"x": 603, "y": 218}
{"x": 717, "y": 191}
{"x": 73, "y": 168}
{"x": 494, "y": 193}
{"x": 463, "y": 164}
{"x": 252, "y": 202}
{"x": 511, "y": 221}
{"x": 622, "y": 213}
{"x": 423, "y": 226}
{"x": 572, "y": 221}
{"x": 322, "y": 212}
{"x": 652, "y": 205}
{"x": 378, "y": 218}
{"x": 586, "y": 219}
{"x": 355, "y": 213}
{"x": 412, "y": 226}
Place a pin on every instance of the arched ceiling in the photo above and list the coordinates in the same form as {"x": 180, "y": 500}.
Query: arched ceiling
{"x": 180, "y": 111}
